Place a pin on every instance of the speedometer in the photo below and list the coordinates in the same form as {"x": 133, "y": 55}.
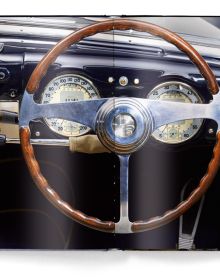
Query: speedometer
{"x": 180, "y": 131}
{"x": 67, "y": 88}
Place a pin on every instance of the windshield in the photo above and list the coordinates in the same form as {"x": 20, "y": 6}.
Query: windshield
{"x": 194, "y": 29}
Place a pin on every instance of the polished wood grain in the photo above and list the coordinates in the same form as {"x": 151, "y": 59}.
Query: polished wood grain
{"x": 122, "y": 24}
{"x": 196, "y": 194}
{"x": 51, "y": 195}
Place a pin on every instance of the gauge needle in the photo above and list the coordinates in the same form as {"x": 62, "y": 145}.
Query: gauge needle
{"x": 164, "y": 128}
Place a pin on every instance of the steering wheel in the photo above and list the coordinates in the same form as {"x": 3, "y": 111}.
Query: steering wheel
{"x": 122, "y": 125}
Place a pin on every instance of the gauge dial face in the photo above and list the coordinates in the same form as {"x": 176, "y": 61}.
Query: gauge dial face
{"x": 68, "y": 88}
{"x": 180, "y": 131}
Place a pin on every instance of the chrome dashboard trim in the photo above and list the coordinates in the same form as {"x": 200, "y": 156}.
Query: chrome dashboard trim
{"x": 41, "y": 142}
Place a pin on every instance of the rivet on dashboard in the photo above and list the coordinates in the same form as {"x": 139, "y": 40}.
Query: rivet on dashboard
{"x": 210, "y": 130}
{"x": 37, "y": 133}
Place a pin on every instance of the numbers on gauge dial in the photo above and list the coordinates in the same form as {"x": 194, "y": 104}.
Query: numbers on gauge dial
{"x": 180, "y": 131}
{"x": 68, "y": 88}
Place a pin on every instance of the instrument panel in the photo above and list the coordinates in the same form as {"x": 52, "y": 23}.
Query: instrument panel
{"x": 74, "y": 87}
{"x": 68, "y": 88}
{"x": 180, "y": 131}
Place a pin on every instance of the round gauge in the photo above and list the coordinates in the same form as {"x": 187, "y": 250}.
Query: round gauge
{"x": 68, "y": 88}
{"x": 179, "y": 131}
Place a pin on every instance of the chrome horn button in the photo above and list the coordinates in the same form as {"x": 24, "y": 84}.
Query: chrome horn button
{"x": 123, "y": 125}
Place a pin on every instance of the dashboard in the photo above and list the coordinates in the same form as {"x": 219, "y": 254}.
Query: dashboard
{"x": 92, "y": 70}
{"x": 73, "y": 87}
{"x": 86, "y": 78}
{"x": 64, "y": 84}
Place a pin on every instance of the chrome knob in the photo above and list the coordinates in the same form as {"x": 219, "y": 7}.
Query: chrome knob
{"x": 123, "y": 81}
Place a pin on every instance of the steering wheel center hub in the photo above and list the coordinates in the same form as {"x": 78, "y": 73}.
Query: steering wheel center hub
{"x": 123, "y": 125}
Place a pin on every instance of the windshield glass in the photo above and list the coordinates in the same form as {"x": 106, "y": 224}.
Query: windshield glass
{"x": 195, "y": 26}
{"x": 196, "y": 29}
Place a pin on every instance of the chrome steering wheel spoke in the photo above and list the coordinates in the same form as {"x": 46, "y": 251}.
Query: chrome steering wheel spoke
{"x": 164, "y": 112}
{"x": 124, "y": 225}
{"x": 83, "y": 112}
{"x": 108, "y": 116}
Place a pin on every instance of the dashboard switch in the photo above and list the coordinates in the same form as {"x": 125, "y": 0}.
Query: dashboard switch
{"x": 110, "y": 80}
{"x": 123, "y": 81}
{"x": 136, "y": 81}
{"x": 13, "y": 93}
{"x": 4, "y": 74}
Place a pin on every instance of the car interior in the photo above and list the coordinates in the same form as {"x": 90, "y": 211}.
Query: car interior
{"x": 109, "y": 132}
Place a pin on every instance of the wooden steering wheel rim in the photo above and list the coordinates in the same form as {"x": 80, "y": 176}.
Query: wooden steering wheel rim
{"x": 28, "y": 152}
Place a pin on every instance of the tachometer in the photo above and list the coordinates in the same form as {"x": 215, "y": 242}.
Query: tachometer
{"x": 67, "y": 88}
{"x": 180, "y": 131}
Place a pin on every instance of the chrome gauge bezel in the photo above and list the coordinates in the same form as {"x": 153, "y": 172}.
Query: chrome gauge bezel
{"x": 60, "y": 77}
{"x": 196, "y": 94}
